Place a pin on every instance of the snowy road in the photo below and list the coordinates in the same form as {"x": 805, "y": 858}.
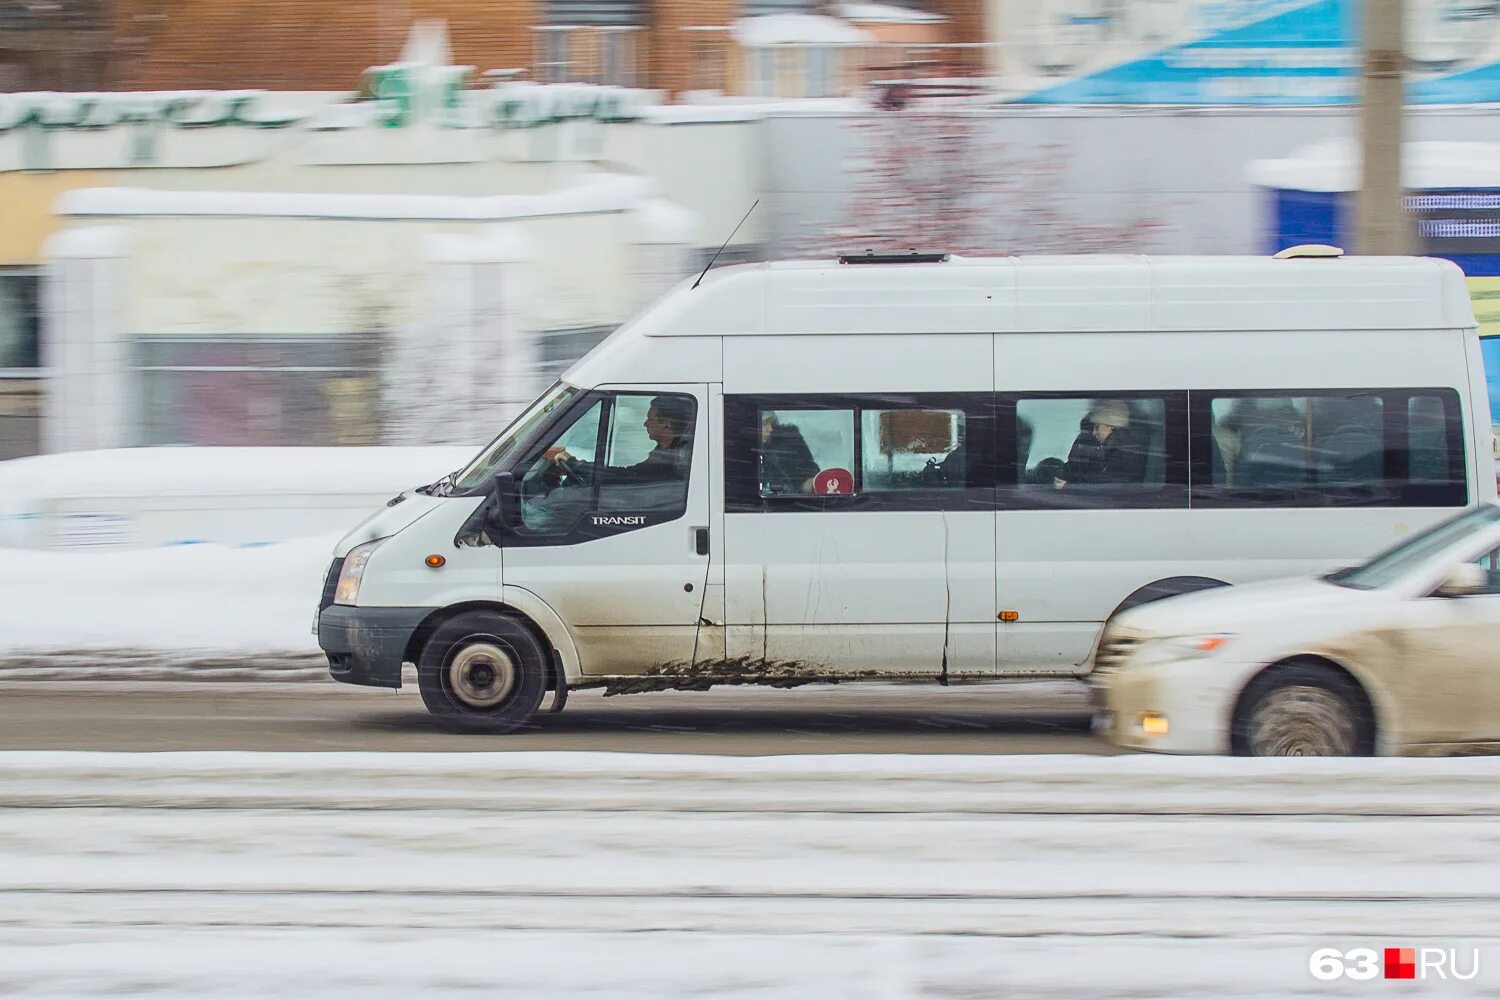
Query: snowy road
{"x": 322, "y": 715}
{"x": 563, "y": 874}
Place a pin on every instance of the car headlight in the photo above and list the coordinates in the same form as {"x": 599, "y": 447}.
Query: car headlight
{"x": 354, "y": 571}
{"x": 1181, "y": 647}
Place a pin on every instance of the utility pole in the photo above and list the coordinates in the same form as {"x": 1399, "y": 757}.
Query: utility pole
{"x": 1383, "y": 226}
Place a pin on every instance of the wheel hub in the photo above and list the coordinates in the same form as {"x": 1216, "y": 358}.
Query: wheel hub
{"x": 482, "y": 674}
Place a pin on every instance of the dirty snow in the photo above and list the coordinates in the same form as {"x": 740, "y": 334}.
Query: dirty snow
{"x": 555, "y": 874}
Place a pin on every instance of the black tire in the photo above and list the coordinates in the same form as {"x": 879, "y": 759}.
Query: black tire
{"x": 1303, "y": 710}
{"x": 482, "y": 672}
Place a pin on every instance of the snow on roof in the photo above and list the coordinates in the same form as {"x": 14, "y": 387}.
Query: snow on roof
{"x": 884, "y": 13}
{"x": 1333, "y": 165}
{"x": 595, "y": 193}
{"x": 798, "y": 29}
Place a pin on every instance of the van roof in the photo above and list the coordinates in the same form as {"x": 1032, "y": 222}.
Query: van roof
{"x": 1068, "y": 294}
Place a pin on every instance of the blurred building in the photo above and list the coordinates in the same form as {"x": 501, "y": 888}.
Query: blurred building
{"x": 791, "y": 48}
{"x": 53, "y": 44}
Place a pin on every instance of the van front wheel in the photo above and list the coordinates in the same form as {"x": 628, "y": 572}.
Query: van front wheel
{"x": 482, "y": 672}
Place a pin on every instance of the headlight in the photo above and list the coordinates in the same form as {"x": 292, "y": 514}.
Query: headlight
{"x": 354, "y": 571}
{"x": 1181, "y": 647}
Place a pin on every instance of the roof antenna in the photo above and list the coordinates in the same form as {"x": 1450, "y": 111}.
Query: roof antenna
{"x": 725, "y": 246}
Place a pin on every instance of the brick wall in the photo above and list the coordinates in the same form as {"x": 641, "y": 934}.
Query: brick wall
{"x": 299, "y": 44}
{"x": 965, "y": 26}
{"x": 325, "y": 44}
{"x": 676, "y": 58}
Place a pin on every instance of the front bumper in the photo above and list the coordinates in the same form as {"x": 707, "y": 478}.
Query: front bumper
{"x": 1195, "y": 696}
{"x": 367, "y": 645}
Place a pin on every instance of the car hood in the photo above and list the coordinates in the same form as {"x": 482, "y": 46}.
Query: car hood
{"x": 388, "y": 520}
{"x": 1228, "y": 609}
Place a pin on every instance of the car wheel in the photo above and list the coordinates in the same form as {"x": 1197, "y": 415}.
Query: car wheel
{"x": 482, "y": 672}
{"x": 1302, "y": 710}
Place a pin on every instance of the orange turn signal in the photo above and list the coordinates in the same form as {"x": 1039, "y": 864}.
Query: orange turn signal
{"x": 1210, "y": 643}
{"x": 1010, "y": 616}
{"x": 435, "y": 561}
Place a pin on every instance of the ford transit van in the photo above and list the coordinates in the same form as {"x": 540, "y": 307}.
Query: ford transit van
{"x": 927, "y": 469}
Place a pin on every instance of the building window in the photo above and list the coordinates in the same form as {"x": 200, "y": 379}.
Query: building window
{"x": 232, "y": 390}
{"x": 20, "y": 319}
{"x": 618, "y": 57}
{"x": 552, "y": 64}
{"x": 820, "y": 62}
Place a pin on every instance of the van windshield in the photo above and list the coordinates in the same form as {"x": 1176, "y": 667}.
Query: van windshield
{"x": 1394, "y": 563}
{"x": 497, "y": 452}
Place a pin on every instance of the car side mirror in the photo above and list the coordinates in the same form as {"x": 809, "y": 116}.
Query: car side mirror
{"x": 1464, "y": 580}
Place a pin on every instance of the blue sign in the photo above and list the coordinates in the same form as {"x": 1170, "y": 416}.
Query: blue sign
{"x": 1250, "y": 52}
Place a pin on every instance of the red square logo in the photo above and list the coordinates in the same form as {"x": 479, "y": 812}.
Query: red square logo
{"x": 1401, "y": 963}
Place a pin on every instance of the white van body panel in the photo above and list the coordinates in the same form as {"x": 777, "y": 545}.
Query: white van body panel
{"x": 387, "y": 521}
{"x": 399, "y": 577}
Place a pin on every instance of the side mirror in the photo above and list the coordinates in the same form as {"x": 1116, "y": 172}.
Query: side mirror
{"x": 1464, "y": 580}
{"x": 499, "y": 511}
{"x": 506, "y": 508}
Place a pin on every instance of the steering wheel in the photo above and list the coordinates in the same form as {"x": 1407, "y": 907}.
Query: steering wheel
{"x": 564, "y": 472}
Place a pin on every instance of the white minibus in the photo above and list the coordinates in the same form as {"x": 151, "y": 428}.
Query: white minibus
{"x": 918, "y": 468}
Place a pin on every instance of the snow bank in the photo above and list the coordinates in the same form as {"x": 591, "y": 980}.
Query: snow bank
{"x": 195, "y": 471}
{"x": 394, "y": 875}
{"x": 213, "y": 600}
{"x": 148, "y": 497}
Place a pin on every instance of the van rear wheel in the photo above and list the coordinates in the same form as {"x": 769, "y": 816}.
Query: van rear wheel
{"x": 482, "y": 672}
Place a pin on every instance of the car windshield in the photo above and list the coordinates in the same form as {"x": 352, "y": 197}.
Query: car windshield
{"x": 1394, "y": 563}
{"x": 495, "y": 454}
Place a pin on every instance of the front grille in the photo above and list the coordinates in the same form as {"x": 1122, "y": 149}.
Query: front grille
{"x": 331, "y": 584}
{"x": 1114, "y": 649}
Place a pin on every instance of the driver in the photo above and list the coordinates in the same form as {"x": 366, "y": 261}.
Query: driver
{"x": 669, "y": 424}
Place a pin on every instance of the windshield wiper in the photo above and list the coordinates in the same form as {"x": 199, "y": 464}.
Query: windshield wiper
{"x": 441, "y": 488}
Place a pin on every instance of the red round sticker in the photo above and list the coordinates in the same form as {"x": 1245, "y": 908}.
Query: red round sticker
{"x": 833, "y": 482}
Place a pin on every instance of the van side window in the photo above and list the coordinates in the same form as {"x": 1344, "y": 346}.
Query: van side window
{"x": 628, "y": 453}
{"x": 914, "y": 449}
{"x": 1093, "y": 451}
{"x": 552, "y": 499}
{"x": 871, "y": 451}
{"x": 1321, "y": 448}
{"x": 797, "y": 447}
{"x": 1295, "y": 442}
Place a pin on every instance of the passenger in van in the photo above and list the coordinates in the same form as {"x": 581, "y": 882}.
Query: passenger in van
{"x": 786, "y": 462}
{"x": 668, "y": 424}
{"x": 1106, "y": 451}
{"x": 1269, "y": 436}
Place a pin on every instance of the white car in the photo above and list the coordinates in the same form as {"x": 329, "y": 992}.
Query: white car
{"x": 1399, "y": 655}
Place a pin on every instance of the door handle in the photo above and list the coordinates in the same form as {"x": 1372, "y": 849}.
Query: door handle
{"x": 700, "y": 541}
